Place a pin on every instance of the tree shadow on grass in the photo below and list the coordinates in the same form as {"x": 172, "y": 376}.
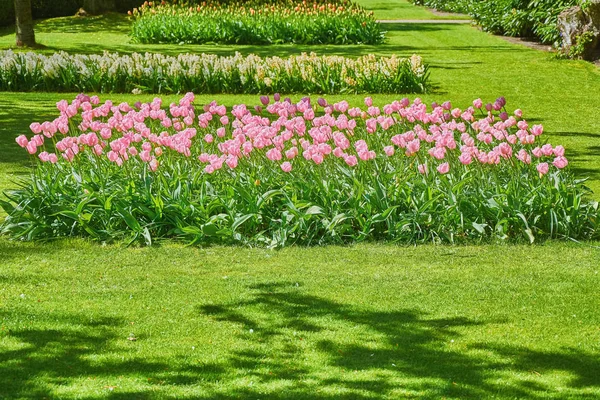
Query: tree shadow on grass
{"x": 402, "y": 347}
{"x": 110, "y": 22}
{"x": 290, "y": 344}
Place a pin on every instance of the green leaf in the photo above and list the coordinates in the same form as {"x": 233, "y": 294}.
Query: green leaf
{"x": 314, "y": 210}
{"x": 209, "y": 229}
{"x": 479, "y": 227}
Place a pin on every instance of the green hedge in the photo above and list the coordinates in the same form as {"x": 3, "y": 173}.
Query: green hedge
{"x": 525, "y": 18}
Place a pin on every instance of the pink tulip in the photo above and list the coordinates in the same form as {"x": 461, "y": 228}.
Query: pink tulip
{"x": 465, "y": 158}
{"x": 351, "y": 160}
{"x": 537, "y": 130}
{"x": 31, "y": 148}
{"x": 547, "y": 150}
{"x": 286, "y": 166}
{"x": 36, "y": 127}
{"x": 44, "y": 156}
{"x": 542, "y": 168}
{"x": 560, "y": 162}
{"x": 477, "y": 103}
{"x": 524, "y": 156}
{"x": 22, "y": 141}
{"x": 232, "y": 162}
{"x": 389, "y": 150}
{"x": 443, "y": 168}
{"x": 413, "y": 147}
{"x": 368, "y": 101}
{"x": 559, "y": 151}
{"x": 422, "y": 169}
{"x": 112, "y": 156}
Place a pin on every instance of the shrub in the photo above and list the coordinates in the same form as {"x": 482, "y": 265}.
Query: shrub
{"x": 205, "y": 73}
{"x": 256, "y": 23}
{"x": 529, "y": 18}
{"x": 290, "y": 173}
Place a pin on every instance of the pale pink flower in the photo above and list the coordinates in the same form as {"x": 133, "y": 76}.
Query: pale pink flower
{"x": 443, "y": 168}
{"x": 560, "y": 162}
{"x": 208, "y": 138}
{"x": 351, "y": 160}
{"x": 559, "y": 151}
{"x": 465, "y": 158}
{"x": 36, "y": 127}
{"x": 153, "y": 164}
{"x": 537, "y": 130}
{"x": 31, "y": 148}
{"x": 547, "y": 150}
{"x": 368, "y": 101}
{"x": 389, "y": 150}
{"x": 422, "y": 169}
{"x": 413, "y": 147}
{"x": 44, "y": 156}
{"x": 286, "y": 166}
{"x": 477, "y": 103}
{"x": 542, "y": 168}
{"x": 112, "y": 156}
{"x": 232, "y": 162}
{"x": 274, "y": 154}
{"x": 524, "y": 156}
{"x": 22, "y": 140}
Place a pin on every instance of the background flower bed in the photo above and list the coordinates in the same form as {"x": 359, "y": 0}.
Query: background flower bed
{"x": 256, "y": 22}
{"x": 527, "y": 18}
{"x": 288, "y": 174}
{"x": 204, "y": 73}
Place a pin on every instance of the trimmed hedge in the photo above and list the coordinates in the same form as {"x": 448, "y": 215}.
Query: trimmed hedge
{"x": 525, "y": 18}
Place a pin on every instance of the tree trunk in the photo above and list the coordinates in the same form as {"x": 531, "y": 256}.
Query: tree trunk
{"x": 98, "y": 6}
{"x": 24, "y": 23}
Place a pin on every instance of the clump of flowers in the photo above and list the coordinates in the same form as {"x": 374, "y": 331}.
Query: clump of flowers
{"x": 256, "y": 22}
{"x": 296, "y": 172}
{"x": 207, "y": 73}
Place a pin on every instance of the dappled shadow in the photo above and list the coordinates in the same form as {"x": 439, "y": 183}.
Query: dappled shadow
{"x": 290, "y": 344}
{"x": 410, "y": 347}
{"x": 110, "y": 22}
{"x": 15, "y": 121}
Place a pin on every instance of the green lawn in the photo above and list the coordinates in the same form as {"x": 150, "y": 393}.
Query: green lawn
{"x": 402, "y": 9}
{"x": 368, "y": 321}
{"x": 362, "y": 322}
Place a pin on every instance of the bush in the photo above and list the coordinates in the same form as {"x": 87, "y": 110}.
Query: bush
{"x": 290, "y": 173}
{"x": 528, "y": 18}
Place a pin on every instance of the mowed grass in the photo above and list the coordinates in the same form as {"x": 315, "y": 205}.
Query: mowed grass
{"x": 81, "y": 320}
{"x": 371, "y": 321}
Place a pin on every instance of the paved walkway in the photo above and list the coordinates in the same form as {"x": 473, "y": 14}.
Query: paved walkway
{"x": 424, "y": 21}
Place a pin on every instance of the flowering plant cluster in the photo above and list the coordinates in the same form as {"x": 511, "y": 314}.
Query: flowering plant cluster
{"x": 256, "y": 22}
{"x": 206, "y": 73}
{"x": 295, "y": 172}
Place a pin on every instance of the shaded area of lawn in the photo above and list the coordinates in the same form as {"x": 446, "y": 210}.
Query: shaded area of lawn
{"x": 358, "y": 322}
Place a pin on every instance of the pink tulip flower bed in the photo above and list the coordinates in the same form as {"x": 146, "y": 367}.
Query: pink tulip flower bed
{"x": 304, "y": 172}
